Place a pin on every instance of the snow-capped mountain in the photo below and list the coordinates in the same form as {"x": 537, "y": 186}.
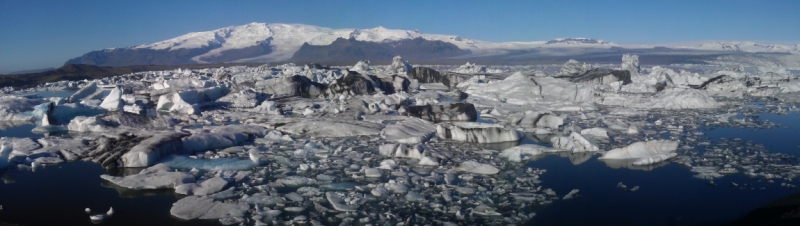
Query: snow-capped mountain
{"x": 578, "y": 41}
{"x": 280, "y": 42}
{"x": 750, "y": 47}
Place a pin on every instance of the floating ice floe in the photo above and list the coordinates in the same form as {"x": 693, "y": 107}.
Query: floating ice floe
{"x": 159, "y": 176}
{"x": 575, "y": 142}
{"x": 521, "y": 152}
{"x": 477, "y": 168}
{"x": 645, "y": 153}
{"x": 197, "y": 207}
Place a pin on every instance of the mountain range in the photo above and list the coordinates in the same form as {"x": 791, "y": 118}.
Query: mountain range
{"x": 261, "y": 42}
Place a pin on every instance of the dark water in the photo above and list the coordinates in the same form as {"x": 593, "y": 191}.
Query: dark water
{"x": 668, "y": 195}
{"x": 58, "y": 195}
{"x": 784, "y": 139}
{"x": 23, "y": 130}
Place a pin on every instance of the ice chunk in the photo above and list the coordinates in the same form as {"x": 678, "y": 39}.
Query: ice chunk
{"x": 399, "y": 66}
{"x": 150, "y": 150}
{"x": 5, "y": 153}
{"x": 470, "y": 69}
{"x": 87, "y": 124}
{"x": 595, "y": 132}
{"x": 675, "y": 98}
{"x": 183, "y": 162}
{"x": 477, "y": 168}
{"x": 571, "y": 194}
{"x": 325, "y": 127}
{"x": 338, "y": 203}
{"x": 631, "y": 64}
{"x": 645, "y": 153}
{"x": 575, "y": 143}
{"x": 372, "y": 172}
{"x": 87, "y": 91}
{"x": 196, "y": 207}
{"x": 295, "y": 181}
{"x": 202, "y": 142}
{"x": 518, "y": 153}
{"x": 159, "y": 176}
{"x": 267, "y": 107}
{"x": 477, "y": 132}
{"x": 433, "y": 86}
{"x": 603, "y": 77}
{"x": 409, "y": 131}
{"x": 446, "y": 112}
{"x": 113, "y": 101}
{"x": 207, "y": 187}
{"x": 573, "y": 67}
{"x": 242, "y": 99}
{"x": 14, "y": 108}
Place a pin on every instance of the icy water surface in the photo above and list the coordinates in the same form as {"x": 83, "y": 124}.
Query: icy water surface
{"x": 58, "y": 195}
{"x": 668, "y": 193}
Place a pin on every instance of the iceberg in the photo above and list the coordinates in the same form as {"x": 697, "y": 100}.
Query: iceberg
{"x": 113, "y": 101}
{"x": 14, "y": 108}
{"x": 207, "y": 187}
{"x": 159, "y": 176}
{"x": 197, "y": 207}
{"x": 645, "y": 153}
{"x": 446, "y": 112}
{"x": 477, "y": 168}
{"x": 521, "y": 152}
{"x": 149, "y": 151}
{"x": 186, "y": 163}
{"x": 474, "y": 132}
{"x": 631, "y": 64}
{"x": 575, "y": 143}
{"x": 409, "y": 131}
{"x": 325, "y": 127}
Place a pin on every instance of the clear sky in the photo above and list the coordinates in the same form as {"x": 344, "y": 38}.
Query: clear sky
{"x": 39, "y": 34}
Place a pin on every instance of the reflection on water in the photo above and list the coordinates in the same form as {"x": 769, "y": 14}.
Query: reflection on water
{"x": 19, "y": 129}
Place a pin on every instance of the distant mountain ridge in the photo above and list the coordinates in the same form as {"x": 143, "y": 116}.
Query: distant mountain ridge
{"x": 281, "y": 42}
{"x": 262, "y": 42}
{"x": 750, "y": 47}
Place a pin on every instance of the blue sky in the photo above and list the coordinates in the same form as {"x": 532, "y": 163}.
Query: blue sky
{"x": 40, "y": 34}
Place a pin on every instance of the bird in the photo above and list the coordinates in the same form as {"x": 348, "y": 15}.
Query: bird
{"x": 110, "y": 211}
{"x": 88, "y": 210}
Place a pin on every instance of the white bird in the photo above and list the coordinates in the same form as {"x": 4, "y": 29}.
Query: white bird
{"x": 97, "y": 217}
{"x": 110, "y": 211}
{"x": 88, "y": 210}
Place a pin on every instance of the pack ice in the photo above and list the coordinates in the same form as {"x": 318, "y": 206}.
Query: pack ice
{"x": 392, "y": 144}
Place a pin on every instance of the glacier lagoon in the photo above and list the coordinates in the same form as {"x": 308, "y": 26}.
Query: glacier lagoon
{"x": 293, "y": 168}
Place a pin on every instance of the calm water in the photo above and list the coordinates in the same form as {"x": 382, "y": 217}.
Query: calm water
{"x": 668, "y": 195}
{"x": 58, "y": 195}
